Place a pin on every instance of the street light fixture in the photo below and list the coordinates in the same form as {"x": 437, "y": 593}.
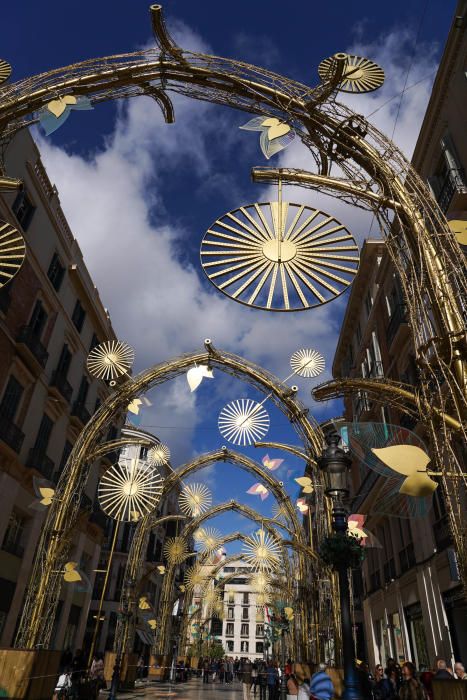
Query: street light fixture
{"x": 335, "y": 465}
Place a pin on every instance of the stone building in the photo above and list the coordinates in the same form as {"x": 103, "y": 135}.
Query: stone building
{"x": 51, "y": 316}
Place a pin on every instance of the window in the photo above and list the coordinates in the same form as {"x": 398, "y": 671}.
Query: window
{"x": 231, "y": 597}
{"x": 230, "y": 613}
{"x": 11, "y": 398}
{"x": 94, "y": 342}
{"x": 230, "y": 645}
{"x": 38, "y": 319}
{"x": 43, "y": 434}
{"x": 259, "y": 647}
{"x": 244, "y": 630}
{"x": 23, "y": 209}
{"x": 244, "y": 646}
{"x": 246, "y": 599}
{"x": 56, "y": 272}
{"x": 143, "y": 452}
{"x": 14, "y": 533}
{"x": 64, "y": 361}
{"x": 229, "y": 629}
{"x": 82, "y": 391}
{"x": 245, "y": 614}
{"x": 259, "y": 630}
{"x": 78, "y": 316}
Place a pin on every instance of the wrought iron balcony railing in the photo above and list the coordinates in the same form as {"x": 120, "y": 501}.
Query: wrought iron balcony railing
{"x": 10, "y": 433}
{"x": 37, "y": 459}
{"x": 27, "y": 337}
{"x": 59, "y": 380}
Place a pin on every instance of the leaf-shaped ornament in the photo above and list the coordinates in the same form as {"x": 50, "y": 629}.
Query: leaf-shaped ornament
{"x": 418, "y": 484}
{"x": 195, "y": 376}
{"x": 278, "y": 130}
{"x": 71, "y": 573}
{"x": 306, "y": 483}
{"x": 58, "y": 106}
{"x": 403, "y": 459}
{"x": 47, "y": 495}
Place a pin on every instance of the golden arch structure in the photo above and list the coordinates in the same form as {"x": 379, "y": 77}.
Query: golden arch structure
{"x": 44, "y": 587}
{"x": 373, "y": 174}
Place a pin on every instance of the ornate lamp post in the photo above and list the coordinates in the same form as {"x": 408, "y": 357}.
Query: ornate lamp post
{"x": 335, "y": 465}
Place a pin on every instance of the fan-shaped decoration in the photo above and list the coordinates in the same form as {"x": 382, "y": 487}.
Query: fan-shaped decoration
{"x": 195, "y": 499}
{"x": 158, "y": 455}
{"x": 110, "y": 360}
{"x": 243, "y": 422}
{"x": 5, "y": 70}
{"x": 307, "y": 362}
{"x": 279, "y": 256}
{"x": 128, "y": 489}
{"x": 12, "y": 252}
{"x": 194, "y": 577}
{"x": 360, "y": 74}
{"x": 175, "y": 550}
{"x": 262, "y": 551}
{"x": 275, "y": 135}
{"x": 403, "y": 468}
{"x": 71, "y": 572}
{"x": 207, "y": 538}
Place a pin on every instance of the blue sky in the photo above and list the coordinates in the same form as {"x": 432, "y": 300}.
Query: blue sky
{"x": 140, "y": 194}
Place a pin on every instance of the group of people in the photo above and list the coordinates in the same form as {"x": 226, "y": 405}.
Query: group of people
{"x": 76, "y": 678}
{"x": 397, "y": 682}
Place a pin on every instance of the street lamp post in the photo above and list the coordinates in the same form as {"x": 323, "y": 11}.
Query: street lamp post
{"x": 335, "y": 465}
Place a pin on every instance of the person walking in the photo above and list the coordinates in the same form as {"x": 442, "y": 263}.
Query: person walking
{"x": 383, "y": 689}
{"x": 411, "y": 688}
{"x": 206, "y": 671}
{"x": 96, "y": 674}
{"x": 321, "y": 685}
{"x": 262, "y": 680}
{"x": 254, "y": 677}
{"x": 246, "y": 679}
{"x": 292, "y": 687}
{"x": 302, "y": 673}
{"x": 272, "y": 678}
{"x": 63, "y": 685}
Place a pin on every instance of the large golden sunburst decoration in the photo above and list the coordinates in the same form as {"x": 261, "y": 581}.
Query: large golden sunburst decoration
{"x": 195, "y": 499}
{"x": 207, "y": 538}
{"x": 279, "y": 256}
{"x": 243, "y": 422}
{"x": 175, "y": 550}
{"x": 360, "y": 74}
{"x": 110, "y": 360}
{"x": 129, "y": 490}
{"x": 262, "y": 551}
{"x": 194, "y": 576}
{"x": 12, "y": 252}
{"x": 261, "y": 582}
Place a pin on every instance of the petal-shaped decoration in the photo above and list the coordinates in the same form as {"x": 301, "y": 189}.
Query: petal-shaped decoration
{"x": 403, "y": 459}
{"x": 270, "y": 121}
{"x": 277, "y": 130}
{"x": 289, "y": 614}
{"x": 459, "y": 227}
{"x": 255, "y": 124}
{"x": 271, "y": 464}
{"x": 58, "y": 106}
{"x": 271, "y": 147}
{"x": 302, "y": 505}
{"x": 47, "y": 495}
{"x": 195, "y": 375}
{"x": 71, "y": 572}
{"x": 82, "y": 103}
{"x": 418, "y": 484}
{"x": 50, "y": 123}
{"x": 258, "y": 490}
{"x": 143, "y": 603}
{"x": 152, "y": 623}
{"x": 161, "y": 570}
{"x": 306, "y": 483}
{"x": 134, "y": 406}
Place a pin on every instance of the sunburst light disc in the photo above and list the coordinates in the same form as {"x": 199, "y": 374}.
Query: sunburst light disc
{"x": 279, "y": 256}
{"x": 360, "y": 74}
{"x": 194, "y": 576}
{"x": 243, "y": 422}
{"x": 110, "y": 360}
{"x": 5, "y": 70}
{"x": 158, "y": 455}
{"x": 207, "y": 538}
{"x": 175, "y": 550}
{"x": 127, "y": 489}
{"x": 262, "y": 551}
{"x": 307, "y": 362}
{"x": 195, "y": 499}
{"x": 12, "y": 252}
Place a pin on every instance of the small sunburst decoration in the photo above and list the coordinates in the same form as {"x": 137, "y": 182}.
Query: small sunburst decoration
{"x": 207, "y": 538}
{"x": 158, "y": 455}
{"x": 110, "y": 360}
{"x": 243, "y": 422}
{"x": 261, "y": 582}
{"x": 307, "y": 363}
{"x": 275, "y": 135}
{"x": 12, "y": 252}
{"x": 360, "y": 74}
{"x": 194, "y": 577}
{"x": 175, "y": 550}
{"x": 5, "y": 70}
{"x": 195, "y": 499}
{"x": 262, "y": 551}
{"x": 129, "y": 490}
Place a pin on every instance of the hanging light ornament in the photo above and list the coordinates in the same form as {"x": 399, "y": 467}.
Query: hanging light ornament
{"x": 195, "y": 499}
{"x": 158, "y": 455}
{"x": 175, "y": 550}
{"x": 110, "y": 360}
{"x": 243, "y": 422}
{"x": 129, "y": 490}
{"x": 262, "y": 551}
{"x": 360, "y": 74}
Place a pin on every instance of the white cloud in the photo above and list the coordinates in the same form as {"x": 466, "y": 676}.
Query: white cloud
{"x": 155, "y": 297}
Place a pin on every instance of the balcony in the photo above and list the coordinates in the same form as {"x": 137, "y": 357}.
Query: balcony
{"x": 389, "y": 571}
{"x": 398, "y": 320}
{"x": 452, "y": 188}
{"x": 407, "y": 558}
{"x": 442, "y": 533}
{"x": 80, "y": 412}
{"x": 10, "y": 433}
{"x": 27, "y": 337}
{"x": 13, "y": 548}
{"x": 59, "y": 381}
{"x": 37, "y": 459}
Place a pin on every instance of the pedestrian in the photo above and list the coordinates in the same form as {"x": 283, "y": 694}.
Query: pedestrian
{"x": 302, "y": 673}
{"x": 292, "y": 687}
{"x": 140, "y": 668}
{"x": 383, "y": 689}
{"x": 365, "y": 680}
{"x": 442, "y": 673}
{"x": 78, "y": 672}
{"x": 63, "y": 686}
{"x": 206, "y": 671}
{"x": 459, "y": 670}
{"x": 254, "y": 677}
{"x": 272, "y": 678}
{"x": 96, "y": 674}
{"x": 246, "y": 679}
{"x": 321, "y": 685}
{"x": 262, "y": 680}
{"x": 411, "y": 688}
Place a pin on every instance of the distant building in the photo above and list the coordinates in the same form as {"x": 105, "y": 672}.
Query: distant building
{"x": 51, "y": 316}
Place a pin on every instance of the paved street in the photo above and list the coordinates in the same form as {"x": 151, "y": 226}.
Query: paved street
{"x": 191, "y": 690}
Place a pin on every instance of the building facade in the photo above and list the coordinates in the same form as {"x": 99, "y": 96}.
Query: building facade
{"x": 51, "y": 316}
